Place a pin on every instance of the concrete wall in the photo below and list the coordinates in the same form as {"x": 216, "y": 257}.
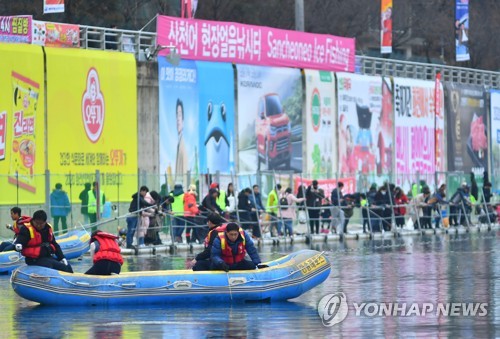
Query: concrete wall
{"x": 147, "y": 110}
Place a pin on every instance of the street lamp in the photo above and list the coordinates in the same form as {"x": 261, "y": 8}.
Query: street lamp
{"x": 173, "y": 57}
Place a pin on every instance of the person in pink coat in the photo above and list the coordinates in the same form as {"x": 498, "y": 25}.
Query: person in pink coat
{"x": 288, "y": 213}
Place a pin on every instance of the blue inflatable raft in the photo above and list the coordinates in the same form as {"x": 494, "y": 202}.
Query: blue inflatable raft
{"x": 73, "y": 244}
{"x": 285, "y": 278}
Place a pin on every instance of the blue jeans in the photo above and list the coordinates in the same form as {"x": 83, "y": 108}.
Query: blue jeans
{"x": 131, "y": 226}
{"x": 7, "y": 246}
{"x": 179, "y": 225}
{"x": 288, "y": 223}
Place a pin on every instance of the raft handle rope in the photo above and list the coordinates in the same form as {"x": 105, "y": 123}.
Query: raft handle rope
{"x": 127, "y": 286}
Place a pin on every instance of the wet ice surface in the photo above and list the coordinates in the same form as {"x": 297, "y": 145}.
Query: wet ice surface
{"x": 429, "y": 269}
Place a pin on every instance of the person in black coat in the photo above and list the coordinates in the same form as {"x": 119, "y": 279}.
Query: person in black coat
{"x": 41, "y": 254}
{"x": 209, "y": 203}
{"x": 248, "y": 212}
{"x": 384, "y": 211}
{"x": 202, "y": 260}
{"x": 313, "y": 202}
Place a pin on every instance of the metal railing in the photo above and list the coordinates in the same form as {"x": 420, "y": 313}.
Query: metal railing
{"x": 136, "y": 42}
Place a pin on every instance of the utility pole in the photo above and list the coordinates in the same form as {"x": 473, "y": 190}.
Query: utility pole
{"x": 299, "y": 15}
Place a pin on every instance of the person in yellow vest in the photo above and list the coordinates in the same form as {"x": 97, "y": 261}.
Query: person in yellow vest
{"x": 36, "y": 241}
{"x": 230, "y": 247}
{"x": 94, "y": 200}
{"x": 272, "y": 208}
{"x": 178, "y": 222}
{"x": 221, "y": 198}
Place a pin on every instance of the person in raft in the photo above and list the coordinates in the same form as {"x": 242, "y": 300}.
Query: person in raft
{"x": 202, "y": 260}
{"x": 36, "y": 241}
{"x": 105, "y": 254}
{"x": 229, "y": 250}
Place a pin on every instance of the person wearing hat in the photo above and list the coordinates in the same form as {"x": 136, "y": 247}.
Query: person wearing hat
{"x": 229, "y": 249}
{"x": 37, "y": 243}
{"x": 178, "y": 221}
{"x": 202, "y": 260}
{"x": 105, "y": 254}
{"x": 59, "y": 207}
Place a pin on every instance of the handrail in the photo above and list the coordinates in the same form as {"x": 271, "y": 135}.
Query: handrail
{"x": 129, "y": 41}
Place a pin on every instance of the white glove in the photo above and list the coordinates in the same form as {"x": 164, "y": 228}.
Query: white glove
{"x": 19, "y": 247}
{"x": 64, "y": 261}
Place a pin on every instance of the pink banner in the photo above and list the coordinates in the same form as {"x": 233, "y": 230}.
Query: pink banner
{"x": 15, "y": 29}
{"x": 257, "y": 45}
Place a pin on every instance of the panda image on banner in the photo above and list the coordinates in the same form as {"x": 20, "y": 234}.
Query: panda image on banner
{"x": 216, "y": 138}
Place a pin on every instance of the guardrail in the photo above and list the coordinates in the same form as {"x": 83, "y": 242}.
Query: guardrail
{"x": 136, "y": 42}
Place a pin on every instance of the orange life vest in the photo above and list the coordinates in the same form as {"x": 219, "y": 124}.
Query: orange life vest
{"x": 227, "y": 253}
{"x": 33, "y": 248}
{"x": 22, "y": 220}
{"x": 221, "y": 228}
{"x": 108, "y": 248}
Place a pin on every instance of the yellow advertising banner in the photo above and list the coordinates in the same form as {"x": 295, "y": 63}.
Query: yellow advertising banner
{"x": 92, "y": 120}
{"x": 22, "y": 162}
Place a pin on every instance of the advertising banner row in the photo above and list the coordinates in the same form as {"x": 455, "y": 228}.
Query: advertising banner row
{"x": 346, "y": 123}
{"x": 23, "y": 29}
{"x": 72, "y": 130}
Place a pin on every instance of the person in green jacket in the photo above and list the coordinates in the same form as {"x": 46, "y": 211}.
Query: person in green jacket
{"x": 272, "y": 208}
{"x": 178, "y": 221}
{"x": 93, "y": 201}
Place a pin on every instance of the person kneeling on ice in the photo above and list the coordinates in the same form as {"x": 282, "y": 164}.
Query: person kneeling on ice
{"x": 229, "y": 250}
{"x": 37, "y": 243}
{"x": 202, "y": 261}
{"x": 105, "y": 254}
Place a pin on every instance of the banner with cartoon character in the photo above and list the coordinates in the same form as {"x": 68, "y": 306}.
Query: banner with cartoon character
{"x": 495, "y": 139}
{"x": 365, "y": 125}
{"x": 216, "y": 118}
{"x": 179, "y": 120}
{"x": 22, "y": 162}
{"x": 269, "y": 118}
{"x": 92, "y": 120}
{"x": 51, "y": 34}
{"x": 321, "y": 124}
{"x": 467, "y": 128}
{"x": 419, "y": 143}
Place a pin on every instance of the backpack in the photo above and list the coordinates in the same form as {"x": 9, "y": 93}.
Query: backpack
{"x": 284, "y": 203}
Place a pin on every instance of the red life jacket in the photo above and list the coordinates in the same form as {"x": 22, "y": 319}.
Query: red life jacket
{"x": 108, "y": 248}
{"x": 22, "y": 220}
{"x": 221, "y": 228}
{"x": 32, "y": 249}
{"x": 227, "y": 253}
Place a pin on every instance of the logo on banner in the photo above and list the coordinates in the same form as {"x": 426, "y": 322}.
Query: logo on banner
{"x": 316, "y": 110}
{"x": 93, "y": 109}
